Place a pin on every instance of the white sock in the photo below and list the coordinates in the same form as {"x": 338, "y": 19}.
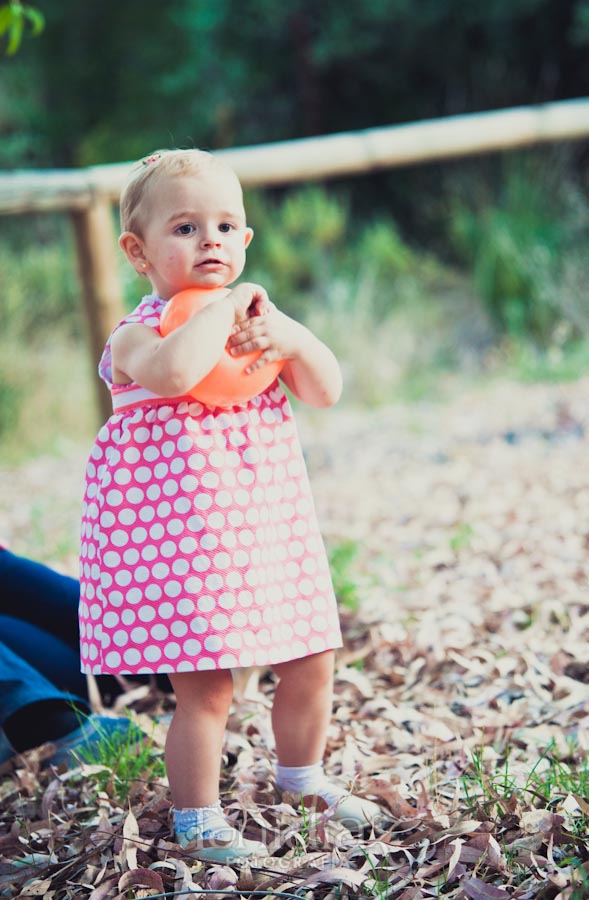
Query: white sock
{"x": 207, "y": 821}
{"x": 306, "y": 780}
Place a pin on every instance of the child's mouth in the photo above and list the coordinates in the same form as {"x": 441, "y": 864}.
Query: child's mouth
{"x": 215, "y": 263}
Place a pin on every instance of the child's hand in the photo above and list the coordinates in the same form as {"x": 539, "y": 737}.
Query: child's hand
{"x": 272, "y": 332}
{"x": 248, "y": 300}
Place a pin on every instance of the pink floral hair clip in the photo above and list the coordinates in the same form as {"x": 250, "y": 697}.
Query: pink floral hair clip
{"x": 151, "y": 159}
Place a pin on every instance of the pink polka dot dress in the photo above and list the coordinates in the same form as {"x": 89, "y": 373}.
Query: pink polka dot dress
{"x": 200, "y": 547}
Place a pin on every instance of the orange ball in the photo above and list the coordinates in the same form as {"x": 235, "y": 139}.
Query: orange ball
{"x": 227, "y": 383}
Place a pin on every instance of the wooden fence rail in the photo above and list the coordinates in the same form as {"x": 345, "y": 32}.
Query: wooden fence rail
{"x": 87, "y": 195}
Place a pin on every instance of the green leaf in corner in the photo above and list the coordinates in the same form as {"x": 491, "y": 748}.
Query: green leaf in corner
{"x": 15, "y": 33}
{"x": 36, "y": 18}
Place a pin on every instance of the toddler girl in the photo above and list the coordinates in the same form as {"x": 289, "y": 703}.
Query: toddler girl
{"x": 200, "y": 545}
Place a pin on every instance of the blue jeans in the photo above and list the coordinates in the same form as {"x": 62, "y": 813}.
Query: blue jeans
{"x": 39, "y": 650}
{"x": 39, "y": 643}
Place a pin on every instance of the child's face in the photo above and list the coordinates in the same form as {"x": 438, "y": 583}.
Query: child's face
{"x": 195, "y": 233}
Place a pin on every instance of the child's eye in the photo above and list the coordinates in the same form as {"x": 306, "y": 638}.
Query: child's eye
{"x": 187, "y": 228}
{"x": 225, "y": 227}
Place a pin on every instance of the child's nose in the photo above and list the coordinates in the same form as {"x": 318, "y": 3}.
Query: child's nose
{"x": 210, "y": 240}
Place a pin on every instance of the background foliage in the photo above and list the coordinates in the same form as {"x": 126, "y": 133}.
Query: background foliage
{"x": 461, "y": 266}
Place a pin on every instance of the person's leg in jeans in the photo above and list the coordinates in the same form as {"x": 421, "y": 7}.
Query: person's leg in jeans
{"x": 43, "y": 694}
{"x": 33, "y": 709}
{"x": 39, "y": 595}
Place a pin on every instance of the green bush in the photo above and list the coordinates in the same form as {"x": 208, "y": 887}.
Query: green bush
{"x": 523, "y": 248}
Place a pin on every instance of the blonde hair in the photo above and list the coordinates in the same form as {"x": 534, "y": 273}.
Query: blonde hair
{"x": 150, "y": 170}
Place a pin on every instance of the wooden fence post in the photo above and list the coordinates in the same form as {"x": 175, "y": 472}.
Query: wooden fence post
{"x": 96, "y": 244}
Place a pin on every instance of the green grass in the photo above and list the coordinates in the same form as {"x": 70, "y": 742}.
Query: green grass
{"x": 123, "y": 761}
{"x": 342, "y": 558}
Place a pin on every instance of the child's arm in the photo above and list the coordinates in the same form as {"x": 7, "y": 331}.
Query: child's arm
{"x": 171, "y": 366}
{"x": 311, "y": 370}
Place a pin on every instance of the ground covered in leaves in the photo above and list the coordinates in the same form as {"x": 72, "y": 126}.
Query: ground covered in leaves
{"x": 459, "y": 536}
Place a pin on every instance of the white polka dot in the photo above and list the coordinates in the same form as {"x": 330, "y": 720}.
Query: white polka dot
{"x": 233, "y": 579}
{"x": 179, "y": 629}
{"x": 182, "y": 505}
{"x": 203, "y": 501}
{"x": 197, "y": 461}
{"x": 213, "y": 643}
{"x": 209, "y": 541}
{"x": 153, "y": 592}
{"x": 154, "y": 492}
{"x": 216, "y": 520}
{"x": 223, "y": 498}
{"x": 138, "y": 535}
{"x": 112, "y": 559}
{"x": 184, "y": 443}
{"x": 131, "y": 556}
{"x": 166, "y": 610}
{"x": 161, "y": 570}
{"x": 185, "y": 607}
{"x": 177, "y": 466}
{"x": 220, "y": 622}
{"x": 115, "y": 598}
{"x": 222, "y": 560}
{"x": 149, "y": 553}
{"x": 172, "y": 650}
{"x": 127, "y": 516}
{"x": 214, "y": 581}
{"x": 113, "y": 659}
{"x": 111, "y": 620}
{"x": 205, "y": 603}
{"x": 146, "y": 614}
{"x": 119, "y": 538}
{"x": 168, "y": 549}
{"x": 174, "y": 426}
{"x": 205, "y": 664}
{"x": 147, "y": 513}
{"x": 187, "y": 545}
{"x": 172, "y": 588}
{"x": 226, "y": 600}
{"x": 193, "y": 585}
{"x": 235, "y": 518}
{"x": 192, "y": 647}
{"x": 189, "y": 483}
{"x": 199, "y": 625}
{"x": 142, "y": 474}
{"x": 195, "y": 523}
{"x": 139, "y": 635}
{"x": 201, "y": 563}
{"x": 174, "y": 526}
{"x": 151, "y": 453}
{"x": 114, "y": 498}
{"x": 210, "y": 480}
{"x": 152, "y": 653}
{"x": 122, "y": 476}
{"x": 159, "y": 632}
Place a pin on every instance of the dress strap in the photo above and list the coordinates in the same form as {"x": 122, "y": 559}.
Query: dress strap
{"x": 125, "y": 397}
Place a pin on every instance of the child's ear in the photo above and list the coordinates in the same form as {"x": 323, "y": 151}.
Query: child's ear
{"x": 132, "y": 246}
{"x": 249, "y": 233}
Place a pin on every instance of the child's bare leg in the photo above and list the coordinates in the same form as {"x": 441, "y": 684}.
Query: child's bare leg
{"x": 302, "y": 708}
{"x": 195, "y": 737}
{"x": 300, "y": 716}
